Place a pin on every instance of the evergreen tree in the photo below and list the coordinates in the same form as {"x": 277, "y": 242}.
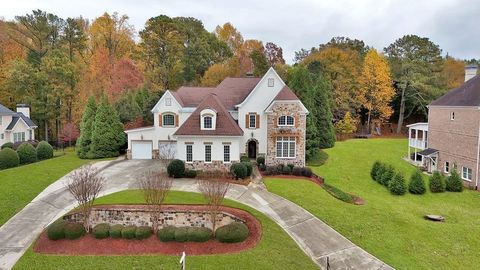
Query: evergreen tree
{"x": 107, "y": 135}
{"x": 86, "y": 128}
{"x": 397, "y": 185}
{"x": 324, "y": 113}
{"x": 417, "y": 185}
{"x": 454, "y": 182}
{"x": 437, "y": 182}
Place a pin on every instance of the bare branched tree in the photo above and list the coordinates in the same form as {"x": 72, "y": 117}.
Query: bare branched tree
{"x": 166, "y": 153}
{"x": 85, "y": 185}
{"x": 155, "y": 187}
{"x": 214, "y": 192}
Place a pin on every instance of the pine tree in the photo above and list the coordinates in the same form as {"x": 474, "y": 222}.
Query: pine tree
{"x": 107, "y": 135}
{"x": 86, "y": 128}
{"x": 453, "y": 182}
{"x": 324, "y": 113}
{"x": 397, "y": 185}
{"x": 417, "y": 185}
{"x": 437, "y": 182}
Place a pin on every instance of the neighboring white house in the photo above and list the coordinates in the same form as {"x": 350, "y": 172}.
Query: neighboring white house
{"x": 211, "y": 127}
{"x": 16, "y": 126}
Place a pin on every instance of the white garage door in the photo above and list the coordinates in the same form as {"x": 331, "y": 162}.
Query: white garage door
{"x": 142, "y": 150}
{"x": 167, "y": 150}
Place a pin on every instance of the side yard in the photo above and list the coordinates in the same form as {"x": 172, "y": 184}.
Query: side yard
{"x": 20, "y": 185}
{"x": 390, "y": 227}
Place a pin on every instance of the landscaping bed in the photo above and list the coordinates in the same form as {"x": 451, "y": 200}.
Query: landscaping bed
{"x": 89, "y": 245}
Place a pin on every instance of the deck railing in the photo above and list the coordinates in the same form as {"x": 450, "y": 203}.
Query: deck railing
{"x": 419, "y": 144}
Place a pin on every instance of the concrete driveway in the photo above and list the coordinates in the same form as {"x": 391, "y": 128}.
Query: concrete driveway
{"x": 313, "y": 236}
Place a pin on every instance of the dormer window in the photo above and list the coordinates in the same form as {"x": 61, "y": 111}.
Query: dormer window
{"x": 208, "y": 119}
{"x": 286, "y": 121}
{"x": 168, "y": 120}
{"x": 207, "y": 122}
{"x": 271, "y": 82}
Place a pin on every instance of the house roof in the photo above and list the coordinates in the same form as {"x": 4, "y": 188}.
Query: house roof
{"x": 6, "y": 111}
{"x": 225, "y": 124}
{"x": 191, "y": 96}
{"x": 468, "y": 94}
{"x": 16, "y": 117}
{"x": 428, "y": 152}
{"x": 286, "y": 94}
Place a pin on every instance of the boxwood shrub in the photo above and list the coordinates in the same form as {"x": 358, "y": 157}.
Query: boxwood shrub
{"x": 244, "y": 159}
{"x": 199, "y": 234}
{"x": 454, "y": 182}
{"x": 44, "y": 150}
{"x": 232, "y": 233}
{"x": 74, "y": 230}
{"x": 143, "y": 232}
{"x": 116, "y": 231}
{"x": 239, "y": 170}
{"x": 27, "y": 153}
{"x": 437, "y": 182}
{"x": 297, "y": 171}
{"x": 181, "y": 234}
{"x": 176, "y": 168}
{"x": 101, "y": 230}
{"x": 56, "y": 230}
{"x": 190, "y": 173}
{"x": 249, "y": 167}
{"x": 286, "y": 170}
{"x": 8, "y": 158}
{"x": 166, "y": 234}
{"x": 128, "y": 232}
{"x": 307, "y": 172}
{"x": 260, "y": 160}
{"x": 417, "y": 185}
{"x": 7, "y": 145}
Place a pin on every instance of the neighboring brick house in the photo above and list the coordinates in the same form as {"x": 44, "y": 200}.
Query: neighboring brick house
{"x": 451, "y": 139}
{"x": 212, "y": 127}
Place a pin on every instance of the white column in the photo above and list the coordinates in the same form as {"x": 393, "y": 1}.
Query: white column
{"x": 409, "y": 137}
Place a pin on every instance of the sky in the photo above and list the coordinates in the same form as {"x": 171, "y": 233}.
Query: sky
{"x": 452, "y": 24}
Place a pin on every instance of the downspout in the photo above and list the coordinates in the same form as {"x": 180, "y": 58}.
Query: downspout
{"x": 478, "y": 154}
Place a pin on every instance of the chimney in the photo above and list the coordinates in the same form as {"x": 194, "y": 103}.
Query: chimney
{"x": 470, "y": 71}
{"x": 24, "y": 108}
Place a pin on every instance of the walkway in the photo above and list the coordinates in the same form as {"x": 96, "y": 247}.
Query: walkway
{"x": 317, "y": 239}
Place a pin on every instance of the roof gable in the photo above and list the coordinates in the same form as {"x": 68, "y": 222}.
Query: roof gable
{"x": 225, "y": 124}
{"x": 468, "y": 94}
{"x": 286, "y": 94}
{"x": 20, "y": 116}
{"x": 271, "y": 72}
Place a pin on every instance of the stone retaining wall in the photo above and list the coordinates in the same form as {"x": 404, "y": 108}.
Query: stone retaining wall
{"x": 141, "y": 216}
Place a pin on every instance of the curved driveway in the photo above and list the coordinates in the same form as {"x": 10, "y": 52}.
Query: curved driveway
{"x": 314, "y": 237}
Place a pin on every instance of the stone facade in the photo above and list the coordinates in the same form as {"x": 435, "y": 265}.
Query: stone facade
{"x": 297, "y": 131}
{"x": 215, "y": 165}
{"x": 456, "y": 140}
{"x": 141, "y": 216}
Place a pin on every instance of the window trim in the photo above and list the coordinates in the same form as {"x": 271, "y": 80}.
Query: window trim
{"x": 446, "y": 167}
{"x": 205, "y": 117}
{"x": 463, "y": 172}
{"x": 286, "y": 140}
{"x": 225, "y": 153}
{"x": 15, "y": 137}
{"x": 207, "y": 146}
{"x": 254, "y": 120}
{"x": 187, "y": 146}
{"x": 163, "y": 120}
{"x": 286, "y": 117}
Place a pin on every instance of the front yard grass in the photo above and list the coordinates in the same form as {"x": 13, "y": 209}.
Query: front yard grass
{"x": 276, "y": 250}
{"x": 20, "y": 185}
{"x": 390, "y": 227}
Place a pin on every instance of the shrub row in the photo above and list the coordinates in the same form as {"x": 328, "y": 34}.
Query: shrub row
{"x": 63, "y": 229}
{"x": 26, "y": 153}
{"x": 287, "y": 170}
{"x": 439, "y": 183}
{"x": 339, "y": 194}
{"x": 386, "y": 175}
{"x": 184, "y": 234}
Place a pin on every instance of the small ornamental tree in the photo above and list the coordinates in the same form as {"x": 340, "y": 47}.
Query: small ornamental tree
{"x": 214, "y": 192}
{"x": 86, "y": 128}
{"x": 453, "y": 182}
{"x": 155, "y": 187}
{"x": 27, "y": 153}
{"x": 44, "y": 150}
{"x": 417, "y": 185}
{"x": 397, "y": 185}
{"x": 8, "y": 158}
{"x": 85, "y": 185}
{"x": 437, "y": 182}
{"x": 69, "y": 133}
{"x": 387, "y": 175}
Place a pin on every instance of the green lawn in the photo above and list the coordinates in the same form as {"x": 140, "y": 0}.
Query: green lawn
{"x": 390, "y": 227}
{"x": 276, "y": 249}
{"x": 18, "y": 186}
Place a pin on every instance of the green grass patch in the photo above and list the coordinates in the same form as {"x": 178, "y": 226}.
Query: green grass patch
{"x": 22, "y": 184}
{"x": 390, "y": 227}
{"x": 319, "y": 159}
{"x": 276, "y": 250}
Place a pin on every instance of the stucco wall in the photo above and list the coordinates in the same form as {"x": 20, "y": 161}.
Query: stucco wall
{"x": 198, "y": 146}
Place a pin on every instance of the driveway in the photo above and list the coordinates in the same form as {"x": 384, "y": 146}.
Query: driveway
{"x": 314, "y": 237}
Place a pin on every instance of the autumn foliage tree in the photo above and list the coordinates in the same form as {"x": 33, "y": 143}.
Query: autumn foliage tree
{"x": 69, "y": 133}
{"x": 376, "y": 87}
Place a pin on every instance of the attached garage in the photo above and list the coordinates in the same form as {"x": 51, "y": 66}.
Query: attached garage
{"x": 142, "y": 149}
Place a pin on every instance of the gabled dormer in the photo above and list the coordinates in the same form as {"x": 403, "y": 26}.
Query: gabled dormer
{"x": 208, "y": 119}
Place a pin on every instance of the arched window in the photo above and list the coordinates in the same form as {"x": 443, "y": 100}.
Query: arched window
{"x": 168, "y": 120}
{"x": 286, "y": 120}
{"x": 207, "y": 122}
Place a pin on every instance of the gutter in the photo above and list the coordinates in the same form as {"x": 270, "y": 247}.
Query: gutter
{"x": 478, "y": 154}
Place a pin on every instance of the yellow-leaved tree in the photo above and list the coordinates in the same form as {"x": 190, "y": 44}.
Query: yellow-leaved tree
{"x": 376, "y": 87}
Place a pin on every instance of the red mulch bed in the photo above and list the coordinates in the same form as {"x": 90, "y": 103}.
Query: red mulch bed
{"x": 88, "y": 245}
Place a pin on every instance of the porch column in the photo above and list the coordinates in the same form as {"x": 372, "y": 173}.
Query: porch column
{"x": 416, "y": 140}
{"x": 409, "y": 137}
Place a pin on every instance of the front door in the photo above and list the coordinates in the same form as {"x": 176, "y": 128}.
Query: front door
{"x": 252, "y": 149}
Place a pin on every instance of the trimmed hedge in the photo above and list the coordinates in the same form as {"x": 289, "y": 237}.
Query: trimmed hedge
{"x": 271, "y": 170}
{"x": 261, "y": 160}
{"x": 338, "y": 193}
{"x": 128, "y": 232}
{"x": 166, "y": 234}
{"x": 8, "y": 158}
{"x": 27, "y": 153}
{"x": 249, "y": 167}
{"x": 232, "y": 233}
{"x": 181, "y": 234}
{"x": 437, "y": 182}
{"x": 44, "y": 150}
{"x": 453, "y": 182}
{"x": 297, "y": 171}
{"x": 56, "y": 230}
{"x": 190, "y": 173}
{"x": 143, "y": 232}
{"x": 101, "y": 231}
{"x": 397, "y": 185}
{"x": 7, "y": 145}
{"x": 176, "y": 168}
{"x": 74, "y": 230}
{"x": 244, "y": 159}
{"x": 417, "y": 185}
{"x": 116, "y": 231}
{"x": 239, "y": 170}
{"x": 307, "y": 172}
{"x": 199, "y": 234}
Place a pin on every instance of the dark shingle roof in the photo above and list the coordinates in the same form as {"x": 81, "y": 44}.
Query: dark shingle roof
{"x": 5, "y": 111}
{"x": 16, "y": 117}
{"x": 225, "y": 124}
{"x": 468, "y": 94}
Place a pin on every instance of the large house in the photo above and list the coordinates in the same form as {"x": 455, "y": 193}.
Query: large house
{"x": 212, "y": 127}
{"x": 16, "y": 126}
{"x": 451, "y": 138}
